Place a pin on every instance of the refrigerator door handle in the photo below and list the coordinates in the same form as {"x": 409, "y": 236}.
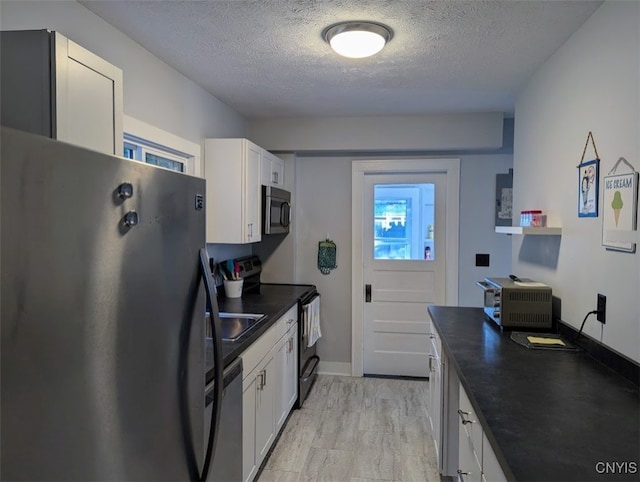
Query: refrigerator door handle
{"x": 216, "y": 330}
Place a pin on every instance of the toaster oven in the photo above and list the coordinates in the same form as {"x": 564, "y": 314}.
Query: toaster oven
{"x": 517, "y": 303}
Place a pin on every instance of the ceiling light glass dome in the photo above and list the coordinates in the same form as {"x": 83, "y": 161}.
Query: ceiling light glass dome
{"x": 357, "y": 40}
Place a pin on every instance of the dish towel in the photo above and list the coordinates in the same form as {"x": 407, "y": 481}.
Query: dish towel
{"x": 312, "y": 321}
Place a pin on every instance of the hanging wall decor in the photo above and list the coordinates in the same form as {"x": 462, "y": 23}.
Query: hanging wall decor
{"x": 588, "y": 182}
{"x": 620, "y": 207}
{"x": 327, "y": 256}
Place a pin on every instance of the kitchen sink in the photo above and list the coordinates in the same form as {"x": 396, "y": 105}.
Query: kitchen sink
{"x": 234, "y": 325}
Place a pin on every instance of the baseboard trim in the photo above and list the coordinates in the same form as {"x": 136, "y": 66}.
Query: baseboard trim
{"x": 334, "y": 368}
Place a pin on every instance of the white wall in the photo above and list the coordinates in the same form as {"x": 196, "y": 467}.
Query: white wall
{"x": 323, "y": 205}
{"x": 590, "y": 84}
{"x": 481, "y": 130}
{"x": 153, "y": 92}
{"x": 477, "y": 220}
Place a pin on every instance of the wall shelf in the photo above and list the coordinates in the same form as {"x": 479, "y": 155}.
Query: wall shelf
{"x": 547, "y": 231}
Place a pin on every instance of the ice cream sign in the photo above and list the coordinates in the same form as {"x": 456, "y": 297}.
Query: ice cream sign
{"x": 620, "y": 209}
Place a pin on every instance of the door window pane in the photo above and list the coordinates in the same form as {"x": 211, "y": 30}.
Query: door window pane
{"x": 163, "y": 162}
{"x": 142, "y": 151}
{"x": 404, "y": 218}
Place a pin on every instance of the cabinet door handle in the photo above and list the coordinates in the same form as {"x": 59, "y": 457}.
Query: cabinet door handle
{"x": 463, "y": 414}
{"x": 461, "y": 475}
{"x": 431, "y": 336}
{"x": 367, "y": 293}
{"x": 264, "y": 377}
{"x": 259, "y": 378}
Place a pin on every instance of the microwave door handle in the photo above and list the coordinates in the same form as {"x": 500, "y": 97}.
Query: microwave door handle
{"x": 285, "y": 214}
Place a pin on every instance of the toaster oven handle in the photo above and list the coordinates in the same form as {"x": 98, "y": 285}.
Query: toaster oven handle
{"x": 486, "y": 286}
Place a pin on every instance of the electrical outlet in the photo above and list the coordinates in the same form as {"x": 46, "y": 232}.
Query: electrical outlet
{"x": 602, "y": 309}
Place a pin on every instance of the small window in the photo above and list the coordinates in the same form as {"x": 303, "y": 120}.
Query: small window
{"x": 151, "y": 153}
{"x": 146, "y": 143}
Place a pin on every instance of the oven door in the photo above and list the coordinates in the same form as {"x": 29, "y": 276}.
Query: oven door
{"x": 308, "y": 360}
{"x": 276, "y": 209}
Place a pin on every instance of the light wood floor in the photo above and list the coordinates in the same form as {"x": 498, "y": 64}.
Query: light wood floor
{"x": 355, "y": 430}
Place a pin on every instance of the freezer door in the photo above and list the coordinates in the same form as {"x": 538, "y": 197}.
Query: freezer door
{"x": 102, "y": 315}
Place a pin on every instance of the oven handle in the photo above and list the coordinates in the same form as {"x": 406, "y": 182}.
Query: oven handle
{"x": 315, "y": 359}
{"x": 304, "y": 303}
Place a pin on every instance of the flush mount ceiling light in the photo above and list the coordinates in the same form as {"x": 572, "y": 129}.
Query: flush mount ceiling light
{"x": 357, "y": 40}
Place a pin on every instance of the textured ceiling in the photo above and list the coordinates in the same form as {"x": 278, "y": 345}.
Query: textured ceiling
{"x": 266, "y": 58}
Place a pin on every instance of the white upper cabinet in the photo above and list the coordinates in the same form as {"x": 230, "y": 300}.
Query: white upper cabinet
{"x": 234, "y": 194}
{"x": 272, "y": 170}
{"x": 54, "y": 87}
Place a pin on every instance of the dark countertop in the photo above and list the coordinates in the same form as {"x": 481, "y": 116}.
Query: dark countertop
{"x": 273, "y": 300}
{"x": 549, "y": 415}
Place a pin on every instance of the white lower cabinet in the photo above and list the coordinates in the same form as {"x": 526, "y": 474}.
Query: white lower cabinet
{"x": 435, "y": 399}
{"x": 269, "y": 389}
{"x": 257, "y": 417}
{"x": 265, "y": 391}
{"x": 476, "y": 460}
{"x": 491, "y": 470}
{"x": 286, "y": 371}
{"x": 249, "y": 428}
{"x": 470, "y": 441}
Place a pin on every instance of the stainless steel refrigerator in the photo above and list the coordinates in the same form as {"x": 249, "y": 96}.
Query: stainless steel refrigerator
{"x": 104, "y": 290}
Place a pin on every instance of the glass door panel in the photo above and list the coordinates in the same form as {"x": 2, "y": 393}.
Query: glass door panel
{"x": 404, "y": 218}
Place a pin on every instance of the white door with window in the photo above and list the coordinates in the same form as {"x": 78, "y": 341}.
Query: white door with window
{"x": 403, "y": 264}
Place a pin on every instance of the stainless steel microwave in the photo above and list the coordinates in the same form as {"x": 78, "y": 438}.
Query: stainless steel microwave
{"x": 517, "y": 303}
{"x": 276, "y": 210}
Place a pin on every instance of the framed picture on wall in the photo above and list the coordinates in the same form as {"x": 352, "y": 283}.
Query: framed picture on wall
{"x": 620, "y": 209}
{"x": 588, "y": 179}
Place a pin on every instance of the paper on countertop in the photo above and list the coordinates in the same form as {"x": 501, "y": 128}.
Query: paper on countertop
{"x": 530, "y": 284}
{"x": 545, "y": 341}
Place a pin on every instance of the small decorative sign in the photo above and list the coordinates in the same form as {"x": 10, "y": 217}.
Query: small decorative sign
{"x": 588, "y": 175}
{"x": 620, "y": 208}
{"x": 588, "y": 182}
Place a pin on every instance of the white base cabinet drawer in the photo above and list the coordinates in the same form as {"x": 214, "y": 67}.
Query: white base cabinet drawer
{"x": 286, "y": 322}
{"x": 253, "y": 355}
{"x": 476, "y": 459}
{"x": 469, "y": 421}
